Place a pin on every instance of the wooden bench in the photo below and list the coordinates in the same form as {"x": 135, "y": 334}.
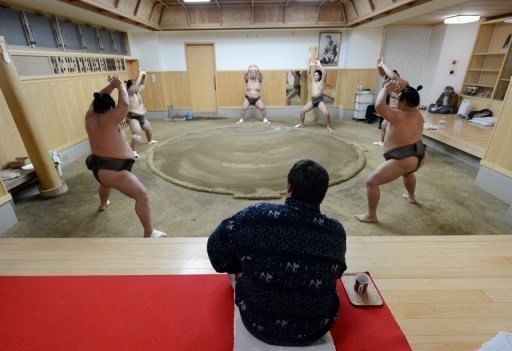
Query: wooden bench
{"x": 459, "y": 134}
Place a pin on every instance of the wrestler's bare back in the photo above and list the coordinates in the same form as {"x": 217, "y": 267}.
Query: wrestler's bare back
{"x": 406, "y": 130}
{"x": 107, "y": 139}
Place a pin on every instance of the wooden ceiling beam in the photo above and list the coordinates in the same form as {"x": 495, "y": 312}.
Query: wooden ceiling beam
{"x": 186, "y": 11}
{"x": 220, "y": 12}
{"x": 155, "y": 4}
{"x": 372, "y": 5}
{"x": 343, "y": 8}
{"x": 161, "y": 17}
{"x": 354, "y": 6}
{"x": 137, "y": 6}
{"x": 163, "y": 3}
{"x": 318, "y": 10}
{"x": 284, "y": 12}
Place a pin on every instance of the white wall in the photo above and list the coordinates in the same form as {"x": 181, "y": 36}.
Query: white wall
{"x": 235, "y": 50}
{"x": 422, "y": 55}
{"x": 146, "y": 48}
{"x": 362, "y": 47}
{"x": 457, "y": 44}
{"x": 431, "y": 92}
{"x": 406, "y": 50}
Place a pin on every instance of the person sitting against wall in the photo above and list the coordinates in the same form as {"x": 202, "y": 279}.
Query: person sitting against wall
{"x": 287, "y": 259}
{"x": 446, "y": 103}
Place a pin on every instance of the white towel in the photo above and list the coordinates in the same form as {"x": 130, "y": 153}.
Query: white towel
{"x": 244, "y": 341}
{"x": 501, "y": 342}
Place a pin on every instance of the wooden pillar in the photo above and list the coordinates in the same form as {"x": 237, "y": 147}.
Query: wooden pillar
{"x": 4, "y": 194}
{"x": 23, "y": 113}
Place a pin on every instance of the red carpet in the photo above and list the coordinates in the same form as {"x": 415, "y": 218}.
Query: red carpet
{"x": 182, "y": 313}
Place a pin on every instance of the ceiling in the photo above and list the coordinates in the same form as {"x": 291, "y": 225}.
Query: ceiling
{"x": 484, "y": 8}
{"x": 175, "y": 15}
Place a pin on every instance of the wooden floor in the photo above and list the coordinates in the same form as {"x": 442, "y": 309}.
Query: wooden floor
{"x": 447, "y": 293}
{"x": 460, "y": 134}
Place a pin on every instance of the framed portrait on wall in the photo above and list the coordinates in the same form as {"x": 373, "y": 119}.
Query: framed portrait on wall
{"x": 329, "y": 48}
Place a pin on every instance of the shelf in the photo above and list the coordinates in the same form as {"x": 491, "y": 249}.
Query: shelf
{"x": 484, "y": 70}
{"x": 488, "y": 53}
{"x": 480, "y": 85}
{"x": 505, "y": 80}
{"x": 480, "y": 98}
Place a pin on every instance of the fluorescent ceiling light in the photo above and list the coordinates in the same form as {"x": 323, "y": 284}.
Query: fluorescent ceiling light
{"x": 461, "y": 19}
{"x": 196, "y": 0}
{"x": 509, "y": 20}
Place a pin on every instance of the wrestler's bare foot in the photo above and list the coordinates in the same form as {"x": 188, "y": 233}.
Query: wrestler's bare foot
{"x": 366, "y": 218}
{"x": 411, "y": 199}
{"x": 103, "y": 207}
{"x": 330, "y": 129}
{"x": 240, "y": 121}
{"x": 156, "y": 234}
{"x": 300, "y": 125}
{"x": 153, "y": 141}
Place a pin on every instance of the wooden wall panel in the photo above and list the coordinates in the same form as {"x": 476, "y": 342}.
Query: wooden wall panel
{"x": 155, "y": 17}
{"x": 231, "y": 88}
{"x": 268, "y": 13}
{"x": 61, "y": 104}
{"x": 145, "y": 9}
{"x": 348, "y": 80}
{"x": 331, "y": 12}
{"x": 204, "y": 15}
{"x": 11, "y": 145}
{"x": 273, "y": 90}
{"x": 499, "y": 155}
{"x": 127, "y": 6}
{"x": 174, "y": 16}
{"x": 173, "y": 88}
{"x": 301, "y": 13}
{"x": 236, "y": 14}
{"x": 168, "y": 88}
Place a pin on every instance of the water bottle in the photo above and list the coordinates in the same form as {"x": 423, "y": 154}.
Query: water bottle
{"x": 441, "y": 124}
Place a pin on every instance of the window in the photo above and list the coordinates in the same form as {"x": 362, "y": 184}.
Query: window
{"x": 119, "y": 43}
{"x": 90, "y": 39}
{"x": 69, "y": 31}
{"x": 106, "y": 41}
{"x": 42, "y": 30}
{"x": 11, "y": 26}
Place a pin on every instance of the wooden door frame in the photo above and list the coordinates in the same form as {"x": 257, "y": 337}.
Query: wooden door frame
{"x": 214, "y": 69}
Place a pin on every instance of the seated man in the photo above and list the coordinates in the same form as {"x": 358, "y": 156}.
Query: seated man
{"x": 287, "y": 259}
{"x": 446, "y": 103}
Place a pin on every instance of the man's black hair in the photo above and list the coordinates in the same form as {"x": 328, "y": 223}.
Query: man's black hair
{"x": 319, "y": 73}
{"x": 129, "y": 83}
{"x": 410, "y": 96}
{"x": 308, "y": 182}
{"x": 102, "y": 102}
{"x": 328, "y": 36}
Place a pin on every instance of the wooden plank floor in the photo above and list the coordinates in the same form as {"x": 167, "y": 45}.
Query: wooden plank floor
{"x": 447, "y": 293}
{"x": 460, "y": 134}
